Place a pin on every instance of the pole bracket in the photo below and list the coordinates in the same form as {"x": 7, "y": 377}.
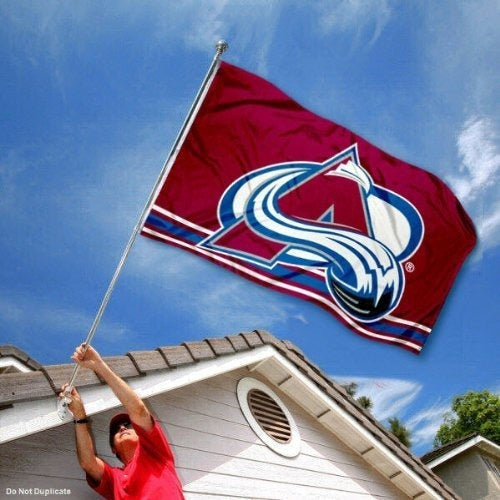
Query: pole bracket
{"x": 63, "y": 410}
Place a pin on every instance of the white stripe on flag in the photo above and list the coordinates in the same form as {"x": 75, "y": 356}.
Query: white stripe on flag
{"x": 280, "y": 284}
{"x": 182, "y": 221}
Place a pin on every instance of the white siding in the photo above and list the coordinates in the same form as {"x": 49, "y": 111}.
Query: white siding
{"x": 217, "y": 453}
{"x": 44, "y": 460}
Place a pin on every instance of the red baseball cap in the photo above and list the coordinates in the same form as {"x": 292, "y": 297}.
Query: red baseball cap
{"x": 114, "y": 425}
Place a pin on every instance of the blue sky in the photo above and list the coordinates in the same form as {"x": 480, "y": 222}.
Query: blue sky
{"x": 92, "y": 96}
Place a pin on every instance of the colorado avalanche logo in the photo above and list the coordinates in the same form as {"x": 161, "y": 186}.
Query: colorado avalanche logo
{"x": 329, "y": 218}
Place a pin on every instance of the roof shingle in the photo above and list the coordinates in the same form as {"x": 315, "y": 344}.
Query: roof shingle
{"x": 147, "y": 361}
{"x": 176, "y": 356}
{"x": 220, "y": 346}
{"x": 238, "y": 342}
{"x": 199, "y": 350}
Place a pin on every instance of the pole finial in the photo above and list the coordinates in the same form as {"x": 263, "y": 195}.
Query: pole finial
{"x": 221, "y": 47}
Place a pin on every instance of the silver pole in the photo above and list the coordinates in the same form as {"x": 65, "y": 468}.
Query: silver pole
{"x": 221, "y": 47}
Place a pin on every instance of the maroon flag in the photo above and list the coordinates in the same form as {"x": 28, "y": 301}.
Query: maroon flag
{"x": 300, "y": 204}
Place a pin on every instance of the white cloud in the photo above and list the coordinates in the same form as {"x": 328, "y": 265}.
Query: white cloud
{"x": 355, "y": 16}
{"x": 301, "y": 318}
{"x": 478, "y": 149}
{"x": 477, "y": 184}
{"x": 248, "y": 26}
{"x": 488, "y": 226}
{"x": 204, "y": 23}
{"x": 425, "y": 423}
{"x": 394, "y": 397}
{"x": 390, "y": 397}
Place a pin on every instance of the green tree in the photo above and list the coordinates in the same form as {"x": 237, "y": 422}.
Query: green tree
{"x": 363, "y": 401}
{"x": 471, "y": 412}
{"x": 400, "y": 431}
{"x": 351, "y": 388}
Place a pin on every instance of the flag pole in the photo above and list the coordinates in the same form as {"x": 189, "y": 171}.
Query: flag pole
{"x": 221, "y": 47}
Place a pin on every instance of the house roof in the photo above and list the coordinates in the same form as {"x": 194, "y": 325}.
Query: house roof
{"x": 46, "y": 381}
{"x": 454, "y": 448}
{"x": 13, "y": 352}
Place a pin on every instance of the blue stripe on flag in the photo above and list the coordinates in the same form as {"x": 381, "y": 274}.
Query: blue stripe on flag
{"x": 287, "y": 274}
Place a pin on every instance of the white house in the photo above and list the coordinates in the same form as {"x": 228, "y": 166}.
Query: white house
{"x": 471, "y": 465}
{"x": 248, "y": 416}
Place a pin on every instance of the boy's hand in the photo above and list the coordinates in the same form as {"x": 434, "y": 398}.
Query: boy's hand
{"x": 76, "y": 405}
{"x": 88, "y": 359}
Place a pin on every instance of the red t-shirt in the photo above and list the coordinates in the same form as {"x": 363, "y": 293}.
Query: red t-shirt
{"x": 149, "y": 475}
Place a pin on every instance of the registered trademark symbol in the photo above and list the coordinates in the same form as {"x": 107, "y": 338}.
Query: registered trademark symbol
{"x": 410, "y": 267}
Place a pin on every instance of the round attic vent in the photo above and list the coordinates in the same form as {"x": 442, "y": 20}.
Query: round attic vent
{"x": 268, "y": 417}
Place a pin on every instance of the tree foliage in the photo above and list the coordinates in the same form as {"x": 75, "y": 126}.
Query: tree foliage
{"x": 351, "y": 388}
{"x": 471, "y": 412}
{"x": 400, "y": 431}
{"x": 363, "y": 401}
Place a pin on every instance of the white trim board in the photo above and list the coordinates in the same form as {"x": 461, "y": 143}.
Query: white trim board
{"x": 479, "y": 441}
{"x": 12, "y": 361}
{"x": 29, "y": 417}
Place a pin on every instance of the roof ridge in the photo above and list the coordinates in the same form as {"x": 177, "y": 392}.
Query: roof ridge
{"x": 441, "y": 450}
{"x": 22, "y": 356}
